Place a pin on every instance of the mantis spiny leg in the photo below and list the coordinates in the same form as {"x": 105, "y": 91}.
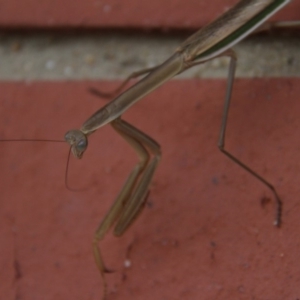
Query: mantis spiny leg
{"x": 131, "y": 199}
{"x": 134, "y": 205}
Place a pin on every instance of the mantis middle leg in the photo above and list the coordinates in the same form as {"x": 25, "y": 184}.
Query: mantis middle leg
{"x": 221, "y": 143}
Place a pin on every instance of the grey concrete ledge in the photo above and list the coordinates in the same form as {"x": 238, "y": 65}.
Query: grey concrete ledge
{"x": 46, "y": 56}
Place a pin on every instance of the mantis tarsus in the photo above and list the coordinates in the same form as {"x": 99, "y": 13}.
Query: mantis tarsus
{"x": 214, "y": 40}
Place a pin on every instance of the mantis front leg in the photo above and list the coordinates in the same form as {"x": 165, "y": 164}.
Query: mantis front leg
{"x": 133, "y": 195}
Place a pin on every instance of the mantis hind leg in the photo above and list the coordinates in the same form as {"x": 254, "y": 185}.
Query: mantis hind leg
{"x": 130, "y": 201}
{"x": 221, "y": 143}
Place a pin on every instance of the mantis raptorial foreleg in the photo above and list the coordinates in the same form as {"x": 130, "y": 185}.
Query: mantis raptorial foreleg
{"x": 132, "y": 197}
{"x": 132, "y": 207}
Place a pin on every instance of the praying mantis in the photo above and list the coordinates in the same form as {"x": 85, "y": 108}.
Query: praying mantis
{"x": 214, "y": 40}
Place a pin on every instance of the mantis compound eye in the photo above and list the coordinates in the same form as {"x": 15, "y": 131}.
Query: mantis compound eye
{"x": 82, "y": 145}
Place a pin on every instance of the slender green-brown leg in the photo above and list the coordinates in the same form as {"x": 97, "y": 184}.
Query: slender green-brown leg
{"x": 122, "y": 85}
{"x": 118, "y": 205}
{"x": 135, "y": 204}
{"x": 129, "y": 194}
{"x": 221, "y": 143}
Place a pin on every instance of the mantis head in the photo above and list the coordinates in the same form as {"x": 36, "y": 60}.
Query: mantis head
{"x": 78, "y": 142}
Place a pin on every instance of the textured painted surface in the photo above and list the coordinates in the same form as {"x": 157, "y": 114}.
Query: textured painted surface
{"x": 204, "y": 233}
{"x": 164, "y": 14}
